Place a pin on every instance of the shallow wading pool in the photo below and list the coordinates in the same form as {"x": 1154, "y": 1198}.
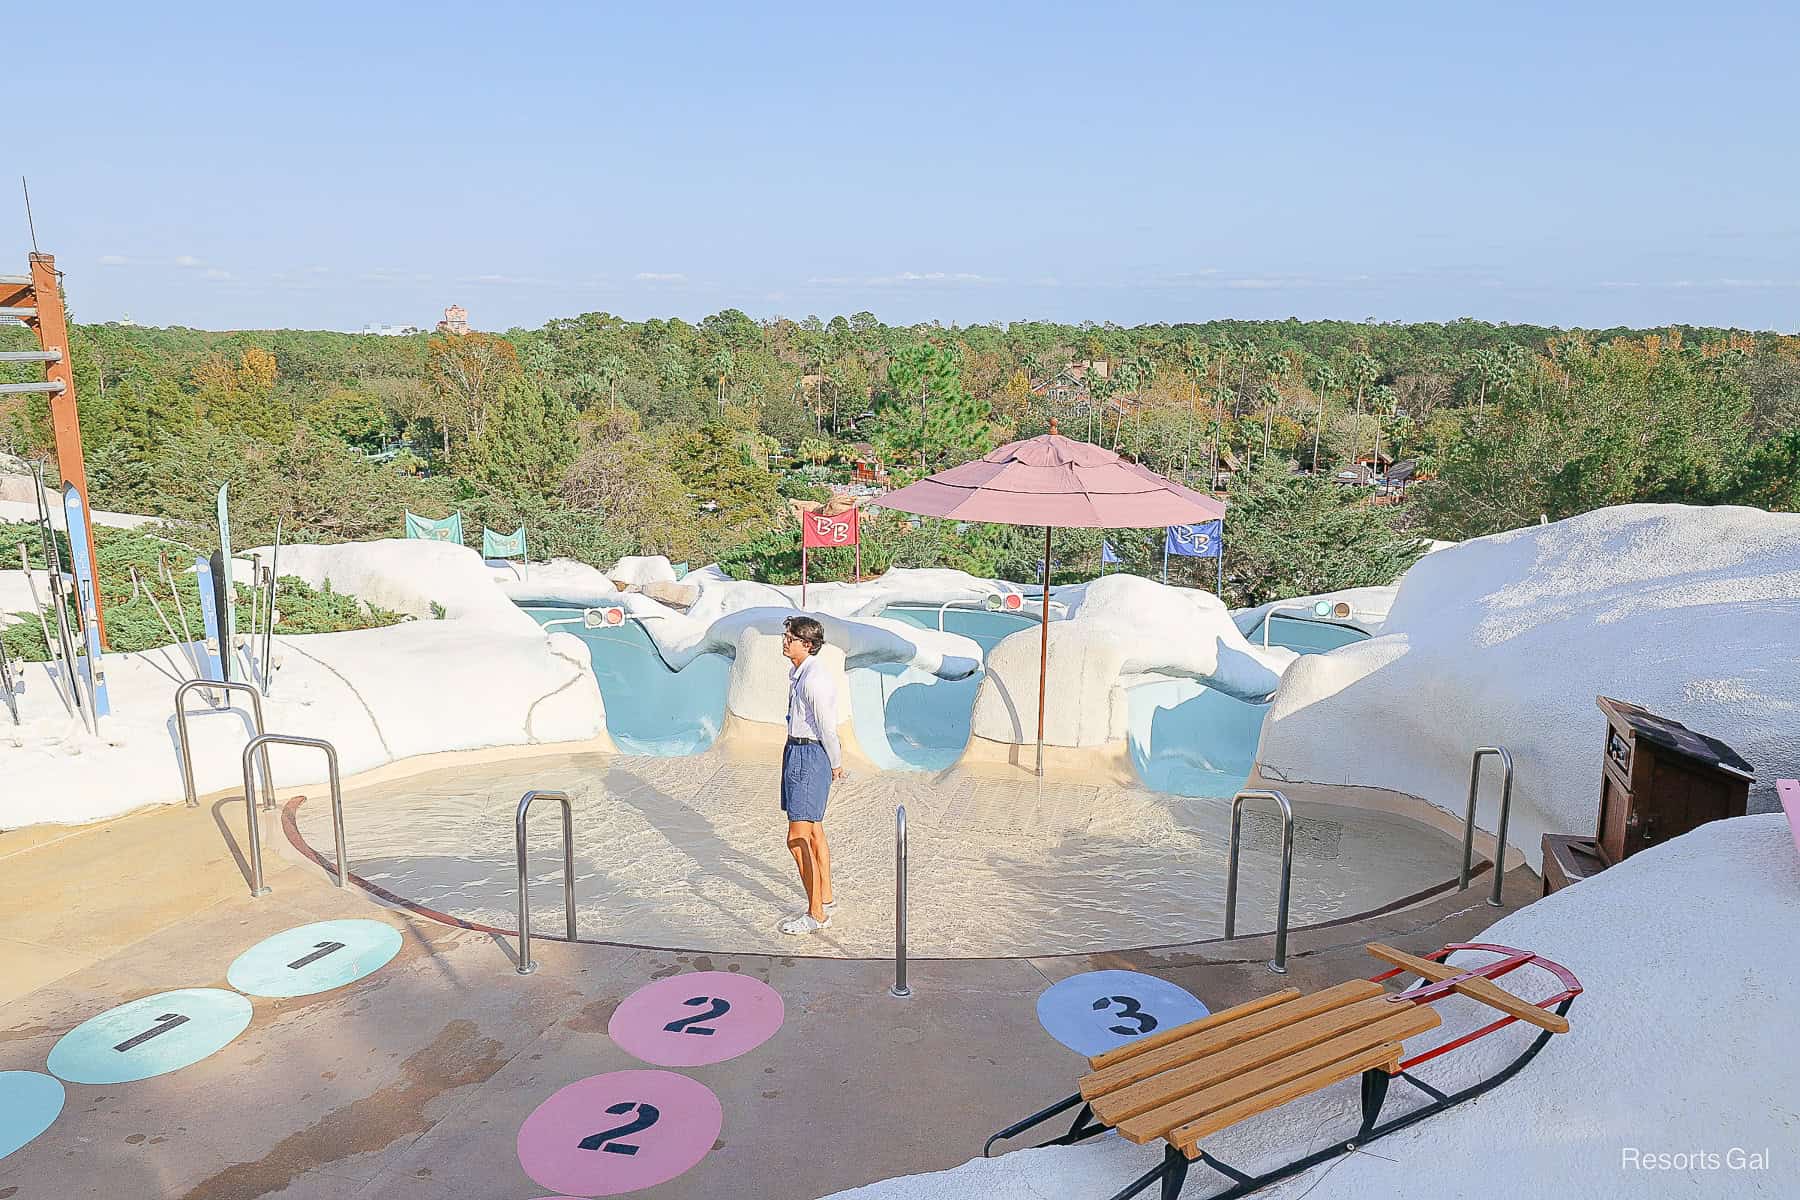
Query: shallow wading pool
{"x": 1184, "y": 738}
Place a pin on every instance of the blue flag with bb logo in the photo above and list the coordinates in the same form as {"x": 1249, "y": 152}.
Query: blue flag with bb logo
{"x": 1106, "y": 553}
{"x": 1200, "y": 540}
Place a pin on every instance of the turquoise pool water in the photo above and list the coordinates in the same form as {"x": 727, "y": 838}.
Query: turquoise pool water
{"x": 1189, "y": 740}
{"x": 649, "y": 708}
{"x": 910, "y": 720}
{"x": 1184, "y": 738}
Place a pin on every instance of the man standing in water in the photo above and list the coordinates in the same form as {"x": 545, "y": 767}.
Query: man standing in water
{"x": 809, "y": 762}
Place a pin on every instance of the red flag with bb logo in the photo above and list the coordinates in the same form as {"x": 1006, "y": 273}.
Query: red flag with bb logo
{"x": 819, "y": 531}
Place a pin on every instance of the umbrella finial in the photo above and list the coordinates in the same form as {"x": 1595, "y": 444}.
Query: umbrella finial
{"x": 1052, "y": 426}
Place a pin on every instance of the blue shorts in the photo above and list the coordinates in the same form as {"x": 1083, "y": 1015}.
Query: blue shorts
{"x": 805, "y": 781}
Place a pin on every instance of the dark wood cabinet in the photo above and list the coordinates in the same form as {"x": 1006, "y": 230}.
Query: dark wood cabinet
{"x": 1661, "y": 779}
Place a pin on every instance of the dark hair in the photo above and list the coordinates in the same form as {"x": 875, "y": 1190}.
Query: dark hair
{"x": 808, "y": 630}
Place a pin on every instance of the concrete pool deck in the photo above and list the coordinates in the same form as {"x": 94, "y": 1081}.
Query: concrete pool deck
{"x": 413, "y": 1081}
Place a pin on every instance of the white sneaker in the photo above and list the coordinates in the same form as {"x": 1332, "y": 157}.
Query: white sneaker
{"x": 804, "y": 923}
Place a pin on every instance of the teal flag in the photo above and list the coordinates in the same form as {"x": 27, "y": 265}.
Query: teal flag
{"x": 681, "y": 570}
{"x": 449, "y": 529}
{"x": 503, "y": 545}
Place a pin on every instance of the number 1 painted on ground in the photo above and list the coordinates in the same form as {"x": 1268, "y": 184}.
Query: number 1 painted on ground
{"x": 165, "y": 1022}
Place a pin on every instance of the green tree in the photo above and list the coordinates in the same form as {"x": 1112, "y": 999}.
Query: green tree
{"x": 1288, "y": 534}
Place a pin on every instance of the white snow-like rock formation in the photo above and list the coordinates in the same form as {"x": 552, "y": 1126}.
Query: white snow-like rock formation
{"x": 485, "y": 676}
{"x": 1649, "y": 1064}
{"x": 1693, "y": 613}
{"x": 1117, "y": 627}
{"x": 409, "y": 575}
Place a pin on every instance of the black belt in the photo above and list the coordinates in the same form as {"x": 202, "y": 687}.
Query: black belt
{"x": 794, "y": 741}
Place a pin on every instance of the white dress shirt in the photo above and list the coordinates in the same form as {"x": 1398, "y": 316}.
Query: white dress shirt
{"x": 813, "y": 706}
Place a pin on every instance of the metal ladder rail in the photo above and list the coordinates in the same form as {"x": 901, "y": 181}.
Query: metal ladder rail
{"x": 260, "y": 744}
{"x": 1468, "y": 853}
{"x": 1269, "y": 617}
{"x": 37, "y": 356}
{"x": 1279, "y": 964}
{"x": 181, "y": 727}
{"x": 526, "y": 966}
{"x": 54, "y": 388}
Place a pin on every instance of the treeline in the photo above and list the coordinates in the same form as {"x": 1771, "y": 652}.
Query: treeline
{"x": 608, "y": 436}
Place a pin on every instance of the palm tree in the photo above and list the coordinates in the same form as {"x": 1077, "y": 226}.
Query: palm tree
{"x": 1324, "y": 379}
{"x": 609, "y": 370}
{"x": 721, "y": 367}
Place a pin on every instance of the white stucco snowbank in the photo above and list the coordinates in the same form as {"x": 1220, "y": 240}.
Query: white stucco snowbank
{"x": 1681, "y": 1042}
{"x": 378, "y": 695}
{"x": 484, "y": 676}
{"x": 409, "y": 575}
{"x": 1693, "y": 613}
{"x": 1121, "y": 625}
{"x": 560, "y": 581}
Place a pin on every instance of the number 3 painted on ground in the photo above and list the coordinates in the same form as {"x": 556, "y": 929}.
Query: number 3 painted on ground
{"x": 1130, "y": 1010}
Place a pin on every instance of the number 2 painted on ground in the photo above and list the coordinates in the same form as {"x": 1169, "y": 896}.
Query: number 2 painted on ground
{"x": 717, "y": 1009}
{"x": 1130, "y": 1010}
{"x": 648, "y": 1115}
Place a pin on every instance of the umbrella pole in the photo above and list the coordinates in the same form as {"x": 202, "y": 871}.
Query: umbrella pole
{"x": 1043, "y": 652}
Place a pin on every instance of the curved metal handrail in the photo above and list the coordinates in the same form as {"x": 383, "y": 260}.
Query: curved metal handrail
{"x": 1468, "y": 855}
{"x": 181, "y": 729}
{"x": 1279, "y": 964}
{"x": 260, "y": 743}
{"x": 526, "y": 966}
{"x": 1269, "y": 617}
{"x": 981, "y": 606}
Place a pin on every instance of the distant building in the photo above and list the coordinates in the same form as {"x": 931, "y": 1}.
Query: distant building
{"x": 378, "y": 329}
{"x": 456, "y": 320}
{"x": 1069, "y": 385}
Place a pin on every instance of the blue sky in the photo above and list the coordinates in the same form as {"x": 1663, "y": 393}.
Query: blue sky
{"x": 325, "y": 165}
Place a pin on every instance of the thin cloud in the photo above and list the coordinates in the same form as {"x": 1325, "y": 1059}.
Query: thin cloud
{"x": 186, "y": 260}
{"x": 215, "y": 273}
{"x": 928, "y": 277}
{"x": 660, "y": 277}
{"x": 113, "y": 260}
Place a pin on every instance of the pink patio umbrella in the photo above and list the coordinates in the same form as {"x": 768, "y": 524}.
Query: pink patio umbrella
{"x": 1052, "y": 480}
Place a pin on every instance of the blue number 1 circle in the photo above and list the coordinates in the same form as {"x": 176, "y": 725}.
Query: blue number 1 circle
{"x": 151, "y": 1036}
{"x": 314, "y": 958}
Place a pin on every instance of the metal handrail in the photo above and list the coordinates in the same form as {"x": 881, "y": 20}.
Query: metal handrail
{"x": 981, "y": 606}
{"x": 900, "y": 989}
{"x": 260, "y": 744}
{"x": 526, "y": 966}
{"x": 1269, "y": 616}
{"x": 1279, "y": 963}
{"x": 1506, "y": 780}
{"x": 181, "y": 727}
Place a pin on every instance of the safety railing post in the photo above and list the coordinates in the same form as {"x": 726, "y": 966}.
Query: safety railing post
{"x": 526, "y": 965}
{"x": 260, "y": 745}
{"x": 1269, "y": 617}
{"x": 1279, "y": 964}
{"x": 181, "y": 731}
{"x": 900, "y": 988}
{"x": 1468, "y": 854}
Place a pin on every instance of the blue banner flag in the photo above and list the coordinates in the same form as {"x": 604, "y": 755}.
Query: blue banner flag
{"x": 1106, "y": 553}
{"x": 1200, "y": 540}
{"x": 448, "y": 529}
